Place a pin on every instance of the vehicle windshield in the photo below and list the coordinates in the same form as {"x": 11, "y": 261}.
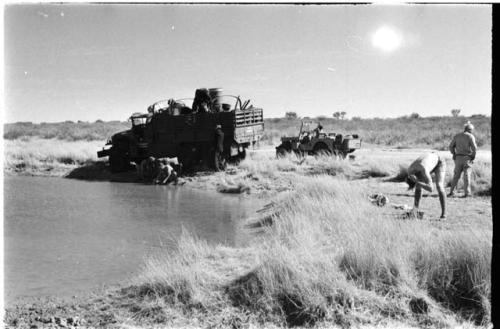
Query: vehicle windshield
{"x": 138, "y": 121}
{"x": 307, "y": 127}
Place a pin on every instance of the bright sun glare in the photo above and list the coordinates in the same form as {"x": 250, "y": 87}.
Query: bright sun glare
{"x": 386, "y": 39}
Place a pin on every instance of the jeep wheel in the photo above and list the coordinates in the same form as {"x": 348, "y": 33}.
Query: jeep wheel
{"x": 321, "y": 150}
{"x": 281, "y": 152}
{"x": 299, "y": 153}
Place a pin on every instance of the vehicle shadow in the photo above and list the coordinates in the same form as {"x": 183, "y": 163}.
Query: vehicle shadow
{"x": 99, "y": 171}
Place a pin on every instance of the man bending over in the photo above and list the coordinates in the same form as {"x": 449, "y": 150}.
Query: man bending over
{"x": 419, "y": 177}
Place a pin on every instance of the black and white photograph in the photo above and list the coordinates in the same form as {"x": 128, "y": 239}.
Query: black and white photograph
{"x": 247, "y": 165}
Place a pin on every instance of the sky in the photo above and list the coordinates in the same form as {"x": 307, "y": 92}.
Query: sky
{"x": 105, "y": 61}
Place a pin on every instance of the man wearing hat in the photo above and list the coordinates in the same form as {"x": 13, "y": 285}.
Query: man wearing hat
{"x": 463, "y": 147}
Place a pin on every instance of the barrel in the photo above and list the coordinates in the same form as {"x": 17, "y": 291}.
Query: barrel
{"x": 215, "y": 95}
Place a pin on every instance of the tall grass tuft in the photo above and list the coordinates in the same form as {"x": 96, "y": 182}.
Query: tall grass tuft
{"x": 330, "y": 256}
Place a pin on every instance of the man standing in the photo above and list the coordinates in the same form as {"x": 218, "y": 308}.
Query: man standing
{"x": 419, "y": 177}
{"x": 318, "y": 130}
{"x": 463, "y": 147}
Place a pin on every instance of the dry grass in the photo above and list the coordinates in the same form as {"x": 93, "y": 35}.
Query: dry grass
{"x": 48, "y": 156}
{"x": 330, "y": 257}
{"x": 260, "y": 173}
{"x": 68, "y": 130}
{"x": 402, "y": 132}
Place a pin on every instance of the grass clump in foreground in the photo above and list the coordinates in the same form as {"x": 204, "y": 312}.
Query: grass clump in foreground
{"x": 328, "y": 258}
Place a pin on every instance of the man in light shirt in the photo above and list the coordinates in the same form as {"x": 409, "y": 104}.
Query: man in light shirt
{"x": 463, "y": 147}
{"x": 419, "y": 177}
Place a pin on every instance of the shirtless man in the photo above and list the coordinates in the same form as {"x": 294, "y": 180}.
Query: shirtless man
{"x": 419, "y": 177}
{"x": 166, "y": 173}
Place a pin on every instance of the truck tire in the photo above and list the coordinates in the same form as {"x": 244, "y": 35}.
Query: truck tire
{"x": 187, "y": 156}
{"x": 237, "y": 158}
{"x": 118, "y": 161}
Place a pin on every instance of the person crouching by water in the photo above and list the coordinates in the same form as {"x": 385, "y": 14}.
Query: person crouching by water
{"x": 166, "y": 173}
{"x": 419, "y": 177}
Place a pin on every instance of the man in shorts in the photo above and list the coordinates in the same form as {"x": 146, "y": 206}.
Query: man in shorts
{"x": 419, "y": 177}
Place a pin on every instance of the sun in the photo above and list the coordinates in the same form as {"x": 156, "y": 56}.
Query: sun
{"x": 386, "y": 39}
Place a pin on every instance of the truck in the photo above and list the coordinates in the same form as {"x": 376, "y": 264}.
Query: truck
{"x": 211, "y": 133}
{"x": 315, "y": 142}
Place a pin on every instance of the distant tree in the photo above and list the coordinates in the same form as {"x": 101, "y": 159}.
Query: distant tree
{"x": 356, "y": 118}
{"x": 99, "y": 121}
{"x": 455, "y": 112}
{"x": 414, "y": 115}
{"x": 340, "y": 115}
{"x": 291, "y": 115}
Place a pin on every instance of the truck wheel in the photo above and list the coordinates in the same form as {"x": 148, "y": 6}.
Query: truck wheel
{"x": 118, "y": 161}
{"x": 187, "y": 156}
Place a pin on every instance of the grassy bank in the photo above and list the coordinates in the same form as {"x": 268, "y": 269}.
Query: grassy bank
{"x": 261, "y": 173}
{"x": 330, "y": 257}
{"x": 47, "y": 157}
{"x": 324, "y": 256}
